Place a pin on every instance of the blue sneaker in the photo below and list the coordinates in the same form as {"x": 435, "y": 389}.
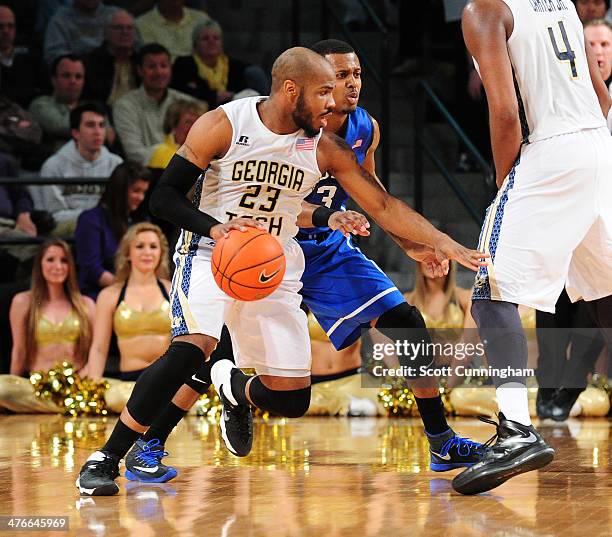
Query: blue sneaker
{"x": 448, "y": 451}
{"x": 143, "y": 463}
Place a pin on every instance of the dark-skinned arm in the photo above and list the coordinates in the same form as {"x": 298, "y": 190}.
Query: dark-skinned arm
{"x": 413, "y": 249}
{"x": 486, "y": 27}
{"x": 209, "y": 138}
{"x": 392, "y": 214}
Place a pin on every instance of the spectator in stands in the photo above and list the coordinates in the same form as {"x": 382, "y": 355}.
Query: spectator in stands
{"x": 111, "y": 70}
{"x": 598, "y": 33}
{"x": 77, "y": 28}
{"x": 139, "y": 114}
{"x": 210, "y": 75}
{"x": 179, "y": 119}
{"x": 170, "y": 24}
{"x": 591, "y": 9}
{"x": 22, "y": 76}
{"x": 16, "y": 209}
{"x": 52, "y": 112}
{"x": 84, "y": 156}
{"x": 20, "y": 133}
{"x": 46, "y": 10}
{"x": 100, "y": 229}
{"x": 136, "y": 307}
{"x": 50, "y": 323}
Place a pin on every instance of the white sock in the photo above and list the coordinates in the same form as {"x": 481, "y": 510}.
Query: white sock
{"x": 220, "y": 375}
{"x": 513, "y": 402}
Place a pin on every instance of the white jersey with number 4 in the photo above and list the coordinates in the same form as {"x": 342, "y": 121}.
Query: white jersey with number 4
{"x": 548, "y": 56}
{"x": 263, "y": 175}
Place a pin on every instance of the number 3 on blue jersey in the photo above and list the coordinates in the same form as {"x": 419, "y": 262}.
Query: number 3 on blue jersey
{"x": 327, "y": 194}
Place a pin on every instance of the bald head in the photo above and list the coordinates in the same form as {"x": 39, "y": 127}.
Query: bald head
{"x": 302, "y": 66}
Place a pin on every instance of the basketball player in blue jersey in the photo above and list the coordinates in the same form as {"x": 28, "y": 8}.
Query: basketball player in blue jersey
{"x": 550, "y": 225}
{"x": 346, "y": 291}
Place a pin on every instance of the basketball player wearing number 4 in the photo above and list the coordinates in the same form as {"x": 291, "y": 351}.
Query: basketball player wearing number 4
{"x": 278, "y": 139}
{"x": 551, "y": 222}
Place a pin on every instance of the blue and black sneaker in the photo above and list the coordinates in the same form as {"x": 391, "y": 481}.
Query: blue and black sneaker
{"x": 143, "y": 463}
{"x": 448, "y": 451}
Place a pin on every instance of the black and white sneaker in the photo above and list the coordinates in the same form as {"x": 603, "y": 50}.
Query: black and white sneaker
{"x": 98, "y": 474}
{"x": 236, "y": 420}
{"x": 518, "y": 449}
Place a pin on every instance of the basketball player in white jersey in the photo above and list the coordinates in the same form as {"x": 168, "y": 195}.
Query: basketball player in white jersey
{"x": 260, "y": 157}
{"x": 551, "y": 222}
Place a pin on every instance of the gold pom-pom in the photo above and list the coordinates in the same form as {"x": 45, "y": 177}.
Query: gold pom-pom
{"x": 399, "y": 401}
{"x": 74, "y": 395}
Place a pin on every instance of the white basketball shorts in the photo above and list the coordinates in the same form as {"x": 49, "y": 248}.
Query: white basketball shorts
{"x": 270, "y": 335}
{"x": 551, "y": 224}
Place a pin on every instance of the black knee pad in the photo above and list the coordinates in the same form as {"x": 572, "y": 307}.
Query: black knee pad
{"x": 160, "y": 381}
{"x": 289, "y": 404}
{"x": 405, "y": 322}
{"x": 401, "y": 316}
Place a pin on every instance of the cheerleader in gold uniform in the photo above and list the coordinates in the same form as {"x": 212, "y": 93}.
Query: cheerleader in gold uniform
{"x": 50, "y": 323}
{"x": 125, "y": 308}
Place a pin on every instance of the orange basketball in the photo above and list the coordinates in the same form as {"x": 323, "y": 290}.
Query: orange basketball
{"x": 248, "y": 265}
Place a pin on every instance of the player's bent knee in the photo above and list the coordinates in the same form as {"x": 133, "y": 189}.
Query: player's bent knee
{"x": 289, "y": 403}
{"x": 206, "y": 344}
{"x": 163, "y": 378}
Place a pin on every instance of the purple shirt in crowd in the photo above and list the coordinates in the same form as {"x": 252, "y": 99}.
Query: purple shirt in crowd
{"x": 96, "y": 246}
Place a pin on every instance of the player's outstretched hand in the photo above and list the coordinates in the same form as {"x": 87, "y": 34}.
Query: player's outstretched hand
{"x": 431, "y": 266}
{"x": 447, "y": 248}
{"x": 348, "y": 222}
{"x": 241, "y": 224}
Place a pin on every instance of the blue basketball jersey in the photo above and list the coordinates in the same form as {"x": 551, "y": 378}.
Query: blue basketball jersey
{"x": 328, "y": 192}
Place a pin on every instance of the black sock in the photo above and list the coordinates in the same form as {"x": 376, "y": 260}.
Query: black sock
{"x": 432, "y": 414}
{"x": 165, "y": 423}
{"x": 239, "y": 381}
{"x": 121, "y": 440}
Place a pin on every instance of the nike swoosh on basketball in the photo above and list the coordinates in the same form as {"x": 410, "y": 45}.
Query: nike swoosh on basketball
{"x": 197, "y": 379}
{"x": 148, "y": 470}
{"x": 446, "y": 457}
{"x": 263, "y": 277}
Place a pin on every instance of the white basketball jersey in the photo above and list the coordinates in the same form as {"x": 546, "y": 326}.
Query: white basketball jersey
{"x": 264, "y": 175}
{"x": 550, "y": 66}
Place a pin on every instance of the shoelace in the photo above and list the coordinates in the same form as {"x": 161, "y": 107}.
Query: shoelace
{"x": 464, "y": 446}
{"x": 490, "y": 441}
{"x": 151, "y": 456}
{"x": 107, "y": 466}
{"x": 243, "y": 424}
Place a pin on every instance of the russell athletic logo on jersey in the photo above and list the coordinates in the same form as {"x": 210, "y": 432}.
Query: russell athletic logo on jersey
{"x": 269, "y": 172}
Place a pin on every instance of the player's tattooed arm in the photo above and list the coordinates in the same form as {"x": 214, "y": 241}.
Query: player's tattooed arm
{"x": 209, "y": 136}
{"x": 392, "y": 214}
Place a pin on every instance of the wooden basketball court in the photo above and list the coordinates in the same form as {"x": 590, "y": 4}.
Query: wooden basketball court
{"x": 322, "y": 477}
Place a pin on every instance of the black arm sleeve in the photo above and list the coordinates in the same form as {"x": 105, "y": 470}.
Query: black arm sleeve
{"x": 169, "y": 200}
